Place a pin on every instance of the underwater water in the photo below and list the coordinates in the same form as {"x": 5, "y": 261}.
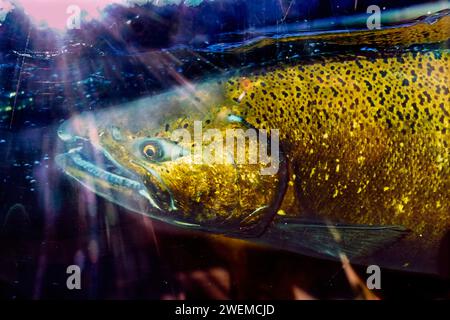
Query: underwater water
{"x": 49, "y": 74}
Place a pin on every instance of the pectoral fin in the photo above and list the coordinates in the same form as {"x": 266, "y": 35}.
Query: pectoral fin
{"x": 331, "y": 240}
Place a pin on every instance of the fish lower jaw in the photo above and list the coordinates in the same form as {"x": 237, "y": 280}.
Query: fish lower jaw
{"x": 102, "y": 176}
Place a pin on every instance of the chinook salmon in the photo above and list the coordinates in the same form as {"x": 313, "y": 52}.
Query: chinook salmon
{"x": 362, "y": 164}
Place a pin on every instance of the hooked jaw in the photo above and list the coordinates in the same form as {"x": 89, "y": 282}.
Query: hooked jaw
{"x": 89, "y": 163}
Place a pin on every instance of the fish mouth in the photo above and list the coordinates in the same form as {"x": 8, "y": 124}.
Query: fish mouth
{"x": 93, "y": 167}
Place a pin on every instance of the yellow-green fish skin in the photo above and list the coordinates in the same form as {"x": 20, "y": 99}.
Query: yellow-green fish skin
{"x": 367, "y": 138}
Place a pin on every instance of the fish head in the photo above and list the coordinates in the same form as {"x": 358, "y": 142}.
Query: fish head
{"x": 167, "y": 157}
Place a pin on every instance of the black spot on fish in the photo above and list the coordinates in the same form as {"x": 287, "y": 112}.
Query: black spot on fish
{"x": 405, "y": 82}
{"x": 430, "y": 69}
{"x": 422, "y": 100}
{"x": 426, "y": 94}
{"x": 438, "y": 89}
{"x": 389, "y": 123}
{"x": 387, "y": 89}
{"x": 405, "y": 102}
{"x": 443, "y": 109}
{"x": 335, "y": 92}
{"x": 430, "y": 116}
{"x": 400, "y": 59}
{"x": 414, "y": 78}
{"x": 383, "y": 73}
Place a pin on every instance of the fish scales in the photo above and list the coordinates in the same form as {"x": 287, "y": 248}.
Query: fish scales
{"x": 368, "y": 136}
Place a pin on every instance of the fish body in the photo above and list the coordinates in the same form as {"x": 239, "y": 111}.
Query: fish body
{"x": 362, "y": 136}
{"x": 363, "y": 167}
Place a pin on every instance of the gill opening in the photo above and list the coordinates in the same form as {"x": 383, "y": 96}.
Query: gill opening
{"x": 172, "y": 206}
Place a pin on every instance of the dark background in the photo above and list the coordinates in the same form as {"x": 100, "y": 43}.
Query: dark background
{"x": 48, "y": 222}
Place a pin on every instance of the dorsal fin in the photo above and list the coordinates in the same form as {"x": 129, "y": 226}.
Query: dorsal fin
{"x": 427, "y": 29}
{"x": 423, "y": 31}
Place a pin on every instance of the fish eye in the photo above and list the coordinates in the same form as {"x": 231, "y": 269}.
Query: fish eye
{"x": 159, "y": 150}
{"x": 152, "y": 151}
